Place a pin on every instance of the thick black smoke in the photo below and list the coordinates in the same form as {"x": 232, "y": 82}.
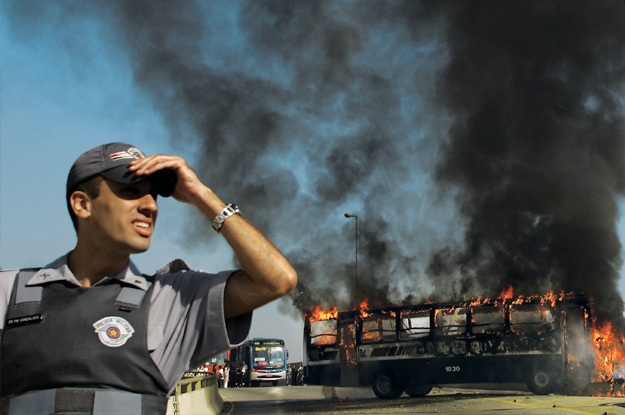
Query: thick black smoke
{"x": 537, "y": 145}
{"x": 392, "y": 111}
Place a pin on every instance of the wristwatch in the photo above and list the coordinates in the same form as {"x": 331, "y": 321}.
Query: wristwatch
{"x": 228, "y": 211}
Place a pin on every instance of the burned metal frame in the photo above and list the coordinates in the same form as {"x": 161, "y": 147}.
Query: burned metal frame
{"x": 531, "y": 340}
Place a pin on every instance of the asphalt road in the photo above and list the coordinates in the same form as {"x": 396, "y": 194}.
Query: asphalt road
{"x": 312, "y": 400}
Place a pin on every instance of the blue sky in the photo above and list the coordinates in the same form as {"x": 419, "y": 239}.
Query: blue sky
{"x": 52, "y": 110}
{"x": 68, "y": 84}
{"x": 298, "y": 115}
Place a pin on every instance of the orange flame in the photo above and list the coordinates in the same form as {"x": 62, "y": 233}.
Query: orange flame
{"x": 608, "y": 345}
{"x": 507, "y": 293}
{"x": 317, "y": 313}
{"x": 363, "y": 306}
{"x": 348, "y": 341}
{"x": 609, "y": 351}
{"x": 479, "y": 301}
{"x": 551, "y": 298}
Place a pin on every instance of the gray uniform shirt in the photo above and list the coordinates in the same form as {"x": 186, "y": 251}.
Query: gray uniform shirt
{"x": 186, "y": 324}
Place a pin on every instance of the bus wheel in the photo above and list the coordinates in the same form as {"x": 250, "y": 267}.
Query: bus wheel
{"x": 542, "y": 381}
{"x": 417, "y": 391}
{"x": 385, "y": 387}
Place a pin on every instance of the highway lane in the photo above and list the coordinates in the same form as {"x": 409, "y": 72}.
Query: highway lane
{"x": 312, "y": 400}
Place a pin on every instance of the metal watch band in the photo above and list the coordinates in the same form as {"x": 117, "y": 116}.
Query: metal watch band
{"x": 228, "y": 211}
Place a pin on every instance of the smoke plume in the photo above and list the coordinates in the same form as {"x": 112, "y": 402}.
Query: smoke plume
{"x": 536, "y": 146}
{"x": 479, "y": 143}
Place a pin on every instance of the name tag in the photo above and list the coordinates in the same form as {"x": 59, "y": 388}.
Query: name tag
{"x": 20, "y": 321}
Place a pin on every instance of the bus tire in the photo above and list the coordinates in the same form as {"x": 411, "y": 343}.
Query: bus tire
{"x": 386, "y": 387}
{"x": 417, "y": 391}
{"x": 542, "y": 381}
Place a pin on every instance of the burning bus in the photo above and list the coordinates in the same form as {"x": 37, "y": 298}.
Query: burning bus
{"x": 545, "y": 342}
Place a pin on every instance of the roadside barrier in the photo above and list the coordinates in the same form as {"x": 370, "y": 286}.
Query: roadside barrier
{"x": 196, "y": 395}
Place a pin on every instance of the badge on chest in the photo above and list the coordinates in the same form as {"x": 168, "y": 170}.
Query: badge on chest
{"x": 113, "y": 331}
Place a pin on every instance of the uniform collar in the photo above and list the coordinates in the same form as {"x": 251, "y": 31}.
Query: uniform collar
{"x": 58, "y": 270}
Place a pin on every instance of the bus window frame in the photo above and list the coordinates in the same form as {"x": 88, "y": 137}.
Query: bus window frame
{"x": 379, "y": 318}
{"x": 334, "y": 334}
{"x": 415, "y": 332}
{"x": 450, "y": 321}
{"x": 489, "y": 327}
{"x": 546, "y": 322}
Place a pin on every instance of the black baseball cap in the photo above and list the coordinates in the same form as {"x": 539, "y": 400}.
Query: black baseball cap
{"x": 112, "y": 161}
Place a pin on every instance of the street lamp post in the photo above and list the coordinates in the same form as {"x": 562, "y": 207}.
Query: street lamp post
{"x": 348, "y": 216}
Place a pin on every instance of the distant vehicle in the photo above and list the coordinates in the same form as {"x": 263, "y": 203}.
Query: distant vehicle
{"x": 217, "y": 361}
{"x": 265, "y": 360}
{"x": 542, "y": 342}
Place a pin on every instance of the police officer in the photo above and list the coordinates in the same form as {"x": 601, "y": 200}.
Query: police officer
{"x": 89, "y": 333}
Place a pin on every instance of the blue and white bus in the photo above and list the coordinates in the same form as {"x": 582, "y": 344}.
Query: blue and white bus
{"x": 264, "y": 359}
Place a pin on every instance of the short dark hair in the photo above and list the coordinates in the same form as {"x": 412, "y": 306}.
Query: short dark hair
{"x": 91, "y": 187}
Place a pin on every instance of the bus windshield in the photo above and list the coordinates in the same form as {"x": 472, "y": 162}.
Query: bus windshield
{"x": 268, "y": 357}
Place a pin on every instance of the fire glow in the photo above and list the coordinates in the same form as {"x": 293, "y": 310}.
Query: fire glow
{"x": 607, "y": 345}
{"x": 609, "y": 356}
{"x": 318, "y": 313}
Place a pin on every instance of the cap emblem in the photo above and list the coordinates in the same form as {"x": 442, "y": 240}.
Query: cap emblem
{"x": 131, "y": 153}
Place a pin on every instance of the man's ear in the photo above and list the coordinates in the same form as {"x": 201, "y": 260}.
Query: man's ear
{"x": 80, "y": 203}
